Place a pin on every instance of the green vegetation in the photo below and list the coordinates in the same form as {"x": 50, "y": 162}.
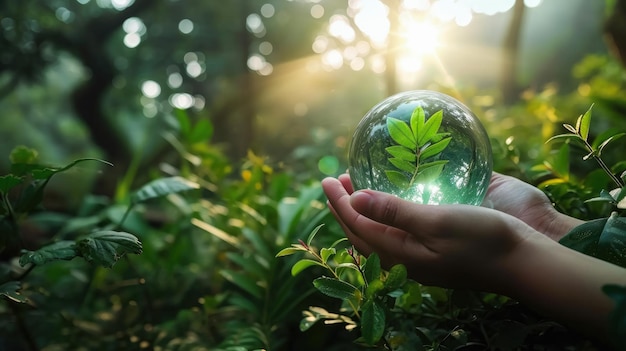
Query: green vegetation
{"x": 418, "y": 141}
{"x": 160, "y": 166}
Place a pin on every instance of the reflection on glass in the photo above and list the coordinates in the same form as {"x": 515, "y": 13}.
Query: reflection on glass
{"x": 465, "y": 177}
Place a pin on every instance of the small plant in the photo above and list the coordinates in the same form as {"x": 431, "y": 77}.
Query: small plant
{"x": 374, "y": 297}
{"x": 604, "y": 238}
{"x": 419, "y": 142}
{"x": 98, "y": 238}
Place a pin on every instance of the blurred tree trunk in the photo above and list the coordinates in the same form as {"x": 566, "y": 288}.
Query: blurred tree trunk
{"x": 509, "y": 86}
{"x": 393, "y": 42}
{"x": 245, "y": 129}
{"x": 234, "y": 114}
{"x": 615, "y": 30}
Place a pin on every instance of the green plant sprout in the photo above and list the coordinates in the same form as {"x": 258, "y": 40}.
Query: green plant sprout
{"x": 418, "y": 142}
{"x": 603, "y": 238}
{"x": 580, "y": 132}
{"x": 371, "y": 293}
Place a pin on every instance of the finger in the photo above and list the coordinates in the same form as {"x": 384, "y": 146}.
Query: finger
{"x": 384, "y": 208}
{"x": 361, "y": 246}
{"x": 419, "y": 220}
{"x": 347, "y": 183}
{"x": 368, "y": 234}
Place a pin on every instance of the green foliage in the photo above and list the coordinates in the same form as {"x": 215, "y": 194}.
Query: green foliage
{"x": 419, "y": 142}
{"x": 604, "y": 238}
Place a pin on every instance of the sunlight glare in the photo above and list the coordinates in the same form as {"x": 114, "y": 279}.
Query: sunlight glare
{"x": 333, "y": 59}
{"x": 371, "y": 18}
{"x": 532, "y": 3}
{"x": 340, "y": 28}
{"x": 421, "y": 37}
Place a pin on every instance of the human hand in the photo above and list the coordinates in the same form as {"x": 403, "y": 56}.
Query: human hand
{"x": 524, "y": 201}
{"x": 454, "y": 246}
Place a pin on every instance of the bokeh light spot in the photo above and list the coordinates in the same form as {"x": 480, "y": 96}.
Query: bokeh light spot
{"x": 185, "y": 26}
{"x": 328, "y": 165}
{"x": 150, "y": 89}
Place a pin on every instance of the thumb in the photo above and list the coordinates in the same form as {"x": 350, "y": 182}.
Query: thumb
{"x": 389, "y": 209}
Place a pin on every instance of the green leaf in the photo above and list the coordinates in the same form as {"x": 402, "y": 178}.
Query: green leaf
{"x": 60, "y": 250}
{"x": 612, "y": 241}
{"x": 336, "y": 288}
{"x": 401, "y": 133}
{"x": 398, "y": 179}
{"x": 570, "y": 128}
{"x": 183, "y": 121}
{"x": 107, "y": 247}
{"x": 607, "y": 141}
{"x": 396, "y": 278}
{"x": 431, "y": 127}
{"x": 325, "y": 253}
{"x": 411, "y": 296}
{"x": 303, "y": 264}
{"x": 243, "y": 281}
{"x": 417, "y": 121}
{"x": 290, "y": 250}
{"x": 430, "y": 171}
{"x": 583, "y": 123}
{"x": 11, "y": 291}
{"x": 162, "y": 187}
{"x": 402, "y": 165}
{"x": 338, "y": 241}
{"x": 584, "y": 238}
{"x": 373, "y": 288}
{"x": 372, "y": 322}
{"x": 372, "y": 268}
{"x": 563, "y": 136}
{"x": 561, "y": 162}
{"x": 23, "y": 154}
{"x": 31, "y": 196}
{"x": 314, "y": 232}
{"x": 435, "y": 149}
{"x": 47, "y": 172}
{"x": 202, "y": 132}
{"x": 7, "y": 182}
{"x": 401, "y": 152}
{"x": 438, "y": 137}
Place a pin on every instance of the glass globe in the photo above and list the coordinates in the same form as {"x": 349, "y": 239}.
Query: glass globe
{"x": 423, "y": 146}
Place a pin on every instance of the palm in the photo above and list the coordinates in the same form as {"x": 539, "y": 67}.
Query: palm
{"x": 518, "y": 199}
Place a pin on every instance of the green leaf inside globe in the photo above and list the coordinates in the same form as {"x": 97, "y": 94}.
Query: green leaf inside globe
{"x": 422, "y": 146}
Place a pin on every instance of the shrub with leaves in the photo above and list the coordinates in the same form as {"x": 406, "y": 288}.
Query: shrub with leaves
{"x": 99, "y": 239}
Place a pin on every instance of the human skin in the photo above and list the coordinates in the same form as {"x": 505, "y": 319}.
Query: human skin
{"x": 508, "y": 248}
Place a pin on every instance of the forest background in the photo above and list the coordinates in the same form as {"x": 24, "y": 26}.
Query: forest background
{"x": 254, "y": 102}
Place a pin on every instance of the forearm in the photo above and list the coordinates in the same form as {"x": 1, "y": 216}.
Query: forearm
{"x": 566, "y": 286}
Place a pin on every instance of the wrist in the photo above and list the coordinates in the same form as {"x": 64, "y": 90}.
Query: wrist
{"x": 564, "y": 284}
{"x": 560, "y": 225}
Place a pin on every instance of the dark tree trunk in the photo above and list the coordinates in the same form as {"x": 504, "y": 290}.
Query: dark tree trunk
{"x": 510, "y": 88}
{"x": 615, "y": 30}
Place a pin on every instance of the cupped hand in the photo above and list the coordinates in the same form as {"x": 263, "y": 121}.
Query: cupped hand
{"x": 526, "y": 202}
{"x": 455, "y": 246}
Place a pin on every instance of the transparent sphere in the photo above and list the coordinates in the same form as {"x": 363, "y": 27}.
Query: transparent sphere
{"x": 422, "y": 146}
